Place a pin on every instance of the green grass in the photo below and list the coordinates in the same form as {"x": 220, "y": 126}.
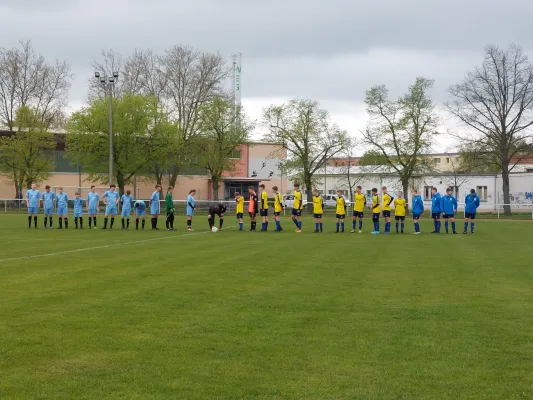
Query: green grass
{"x": 237, "y": 315}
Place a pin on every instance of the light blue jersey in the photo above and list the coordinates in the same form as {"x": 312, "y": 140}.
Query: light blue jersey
{"x": 154, "y": 203}
{"x": 48, "y": 202}
{"x": 140, "y": 208}
{"x": 33, "y": 196}
{"x": 126, "y": 205}
{"x": 93, "y": 200}
{"x": 112, "y": 198}
{"x": 62, "y": 204}
{"x": 78, "y": 207}
{"x": 190, "y": 205}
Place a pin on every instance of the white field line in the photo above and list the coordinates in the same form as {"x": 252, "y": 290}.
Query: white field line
{"x": 3, "y": 260}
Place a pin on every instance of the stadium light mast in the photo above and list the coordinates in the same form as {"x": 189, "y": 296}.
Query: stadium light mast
{"x": 108, "y": 84}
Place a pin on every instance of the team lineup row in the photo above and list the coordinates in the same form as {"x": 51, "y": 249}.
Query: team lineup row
{"x": 381, "y": 205}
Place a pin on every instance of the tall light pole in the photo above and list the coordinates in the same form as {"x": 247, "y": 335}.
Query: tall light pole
{"x": 108, "y": 84}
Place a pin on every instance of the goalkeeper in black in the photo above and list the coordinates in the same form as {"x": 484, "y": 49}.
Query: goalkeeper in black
{"x": 169, "y": 206}
{"x": 219, "y": 210}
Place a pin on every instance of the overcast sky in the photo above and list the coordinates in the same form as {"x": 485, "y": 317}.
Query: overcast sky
{"x": 331, "y": 51}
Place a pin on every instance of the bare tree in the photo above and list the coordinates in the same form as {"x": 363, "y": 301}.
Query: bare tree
{"x": 352, "y": 173}
{"x": 27, "y": 79}
{"x": 110, "y": 62}
{"x": 459, "y": 175}
{"x": 496, "y": 102}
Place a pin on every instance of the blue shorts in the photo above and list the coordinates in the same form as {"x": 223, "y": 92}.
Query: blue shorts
{"x": 62, "y": 211}
{"x": 33, "y": 210}
{"x": 277, "y": 213}
{"x": 358, "y": 214}
{"x": 126, "y": 212}
{"x": 78, "y": 214}
{"x": 435, "y": 215}
{"x": 340, "y": 216}
{"x": 416, "y": 217}
{"x": 240, "y": 215}
{"x": 263, "y": 213}
{"x": 375, "y": 217}
{"x": 470, "y": 215}
{"x": 190, "y": 212}
{"x": 317, "y": 216}
{"x": 48, "y": 211}
{"x": 447, "y": 216}
{"x": 140, "y": 213}
{"x": 386, "y": 214}
{"x": 93, "y": 211}
{"x": 111, "y": 210}
{"x": 296, "y": 213}
{"x": 154, "y": 211}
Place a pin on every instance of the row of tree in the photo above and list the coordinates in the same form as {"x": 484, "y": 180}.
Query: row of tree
{"x": 171, "y": 111}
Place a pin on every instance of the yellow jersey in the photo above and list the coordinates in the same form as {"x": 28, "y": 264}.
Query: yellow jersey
{"x": 375, "y": 204}
{"x": 264, "y": 200}
{"x": 240, "y": 205}
{"x": 387, "y": 201}
{"x": 341, "y": 206}
{"x": 399, "y": 207}
{"x": 297, "y": 205}
{"x": 318, "y": 205}
{"x": 359, "y": 202}
{"x": 278, "y": 203}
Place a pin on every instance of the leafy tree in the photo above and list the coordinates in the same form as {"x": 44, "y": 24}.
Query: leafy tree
{"x": 307, "y": 134}
{"x": 138, "y": 129}
{"x": 223, "y": 129}
{"x": 26, "y": 155}
{"x": 402, "y": 130}
{"x": 352, "y": 173}
{"x": 496, "y": 102}
{"x": 373, "y": 157}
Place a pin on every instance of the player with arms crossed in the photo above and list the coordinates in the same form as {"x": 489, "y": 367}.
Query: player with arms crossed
{"x": 93, "y": 202}
{"x": 155, "y": 206}
{"x": 62, "y": 208}
{"x": 125, "y": 202}
{"x": 169, "y": 208}
{"x": 471, "y": 206}
{"x": 263, "y": 209}
{"x": 33, "y": 197}
{"x": 48, "y": 198}
{"x": 140, "y": 213}
{"x": 219, "y": 210}
{"x": 387, "y": 201}
{"x": 252, "y": 208}
{"x": 449, "y": 208}
{"x": 278, "y": 208}
{"x": 358, "y": 208}
{"x": 418, "y": 210}
{"x": 400, "y": 207}
{"x": 239, "y": 210}
{"x": 111, "y": 199}
{"x": 318, "y": 211}
{"x": 190, "y": 208}
{"x": 78, "y": 210}
{"x": 375, "y": 207}
{"x": 340, "y": 212}
{"x": 436, "y": 209}
{"x": 297, "y": 207}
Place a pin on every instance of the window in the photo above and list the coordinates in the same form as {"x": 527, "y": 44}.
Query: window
{"x": 447, "y": 160}
{"x": 455, "y": 191}
{"x": 427, "y": 192}
{"x": 235, "y": 154}
{"x": 482, "y": 193}
{"x": 332, "y": 192}
{"x": 436, "y": 160}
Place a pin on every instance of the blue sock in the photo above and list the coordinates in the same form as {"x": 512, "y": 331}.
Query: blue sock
{"x": 353, "y": 224}
{"x": 241, "y": 226}
{"x": 446, "y": 226}
{"x": 337, "y": 225}
{"x": 360, "y": 224}
{"x": 321, "y": 227}
{"x": 453, "y": 226}
{"x": 403, "y": 225}
{"x": 388, "y": 226}
{"x": 342, "y": 226}
{"x": 376, "y": 226}
{"x": 317, "y": 226}
{"x": 435, "y": 225}
{"x": 417, "y": 227}
{"x": 295, "y": 222}
{"x": 300, "y": 225}
{"x": 471, "y": 227}
{"x": 439, "y": 226}
{"x": 397, "y": 226}
{"x": 466, "y": 226}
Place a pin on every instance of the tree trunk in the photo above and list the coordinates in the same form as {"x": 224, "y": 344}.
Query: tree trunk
{"x": 405, "y": 187}
{"x": 28, "y": 182}
{"x": 121, "y": 183}
{"x": 506, "y": 190}
{"x": 174, "y": 176}
{"x": 308, "y": 193}
{"x": 215, "y": 185}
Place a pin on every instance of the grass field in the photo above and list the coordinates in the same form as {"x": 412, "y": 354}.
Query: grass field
{"x": 234, "y": 315}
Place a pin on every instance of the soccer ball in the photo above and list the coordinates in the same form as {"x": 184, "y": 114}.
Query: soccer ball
{"x": 214, "y": 229}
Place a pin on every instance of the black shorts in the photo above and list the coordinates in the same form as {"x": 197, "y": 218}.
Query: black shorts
{"x": 252, "y": 214}
{"x": 358, "y": 214}
{"x": 375, "y": 217}
{"x": 448, "y": 216}
{"x": 277, "y": 213}
{"x": 296, "y": 213}
{"x": 470, "y": 215}
{"x": 435, "y": 215}
{"x": 240, "y": 215}
{"x": 397, "y": 218}
{"x": 386, "y": 214}
{"x": 317, "y": 216}
{"x": 263, "y": 213}
{"x": 340, "y": 216}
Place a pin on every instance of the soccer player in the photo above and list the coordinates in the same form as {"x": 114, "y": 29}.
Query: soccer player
{"x": 340, "y": 211}
{"x": 297, "y": 208}
{"x": 436, "y": 204}
{"x": 140, "y": 212}
{"x": 471, "y": 205}
{"x": 32, "y": 203}
{"x": 169, "y": 208}
{"x": 375, "y": 207}
{"x": 125, "y": 202}
{"x": 155, "y": 206}
{"x": 219, "y": 210}
{"x": 93, "y": 202}
{"x": 48, "y": 198}
{"x": 252, "y": 207}
{"x": 78, "y": 210}
{"x": 278, "y": 208}
{"x": 263, "y": 209}
{"x": 418, "y": 210}
{"x": 449, "y": 208}
{"x": 400, "y": 206}
{"x": 358, "y": 208}
{"x": 190, "y": 208}
{"x": 318, "y": 210}
{"x": 62, "y": 208}
{"x": 111, "y": 199}
{"x": 239, "y": 210}
{"x": 387, "y": 201}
